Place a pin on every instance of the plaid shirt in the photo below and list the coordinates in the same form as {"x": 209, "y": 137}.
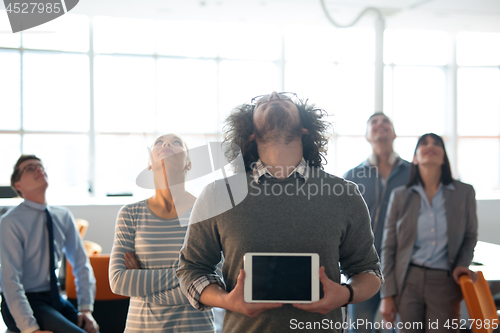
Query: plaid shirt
{"x": 260, "y": 170}
{"x": 196, "y": 288}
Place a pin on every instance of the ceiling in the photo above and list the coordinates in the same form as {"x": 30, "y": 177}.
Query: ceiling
{"x": 449, "y": 15}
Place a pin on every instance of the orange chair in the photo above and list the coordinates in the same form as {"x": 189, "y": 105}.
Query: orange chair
{"x": 82, "y": 226}
{"x": 479, "y": 303}
{"x": 92, "y": 248}
{"x": 110, "y": 310}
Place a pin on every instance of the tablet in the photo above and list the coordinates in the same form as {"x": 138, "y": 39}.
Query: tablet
{"x": 281, "y": 277}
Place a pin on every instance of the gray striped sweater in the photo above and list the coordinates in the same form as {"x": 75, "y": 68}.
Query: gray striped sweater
{"x": 157, "y": 303}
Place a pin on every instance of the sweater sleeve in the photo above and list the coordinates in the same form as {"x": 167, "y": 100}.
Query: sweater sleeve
{"x": 172, "y": 296}
{"x": 357, "y": 252}
{"x": 134, "y": 282}
{"x": 201, "y": 252}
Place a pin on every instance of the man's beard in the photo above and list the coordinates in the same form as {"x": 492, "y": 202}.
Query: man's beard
{"x": 278, "y": 126}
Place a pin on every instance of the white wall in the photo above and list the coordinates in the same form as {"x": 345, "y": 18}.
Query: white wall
{"x": 488, "y": 216}
{"x": 102, "y": 221}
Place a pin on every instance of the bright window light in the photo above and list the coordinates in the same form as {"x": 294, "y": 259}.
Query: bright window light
{"x": 10, "y": 150}
{"x": 123, "y": 35}
{"x": 10, "y": 90}
{"x": 478, "y": 49}
{"x": 7, "y": 38}
{"x": 56, "y": 92}
{"x": 119, "y": 160}
{"x": 186, "y": 38}
{"x": 66, "y": 160}
{"x": 187, "y": 96}
{"x": 405, "y": 146}
{"x": 352, "y": 110}
{"x": 249, "y": 41}
{"x": 124, "y": 94}
{"x": 416, "y": 47}
{"x": 66, "y": 33}
{"x": 479, "y": 164}
{"x": 419, "y": 100}
{"x": 159, "y": 77}
{"x": 306, "y": 43}
{"x": 353, "y": 150}
{"x": 355, "y": 45}
{"x": 478, "y": 101}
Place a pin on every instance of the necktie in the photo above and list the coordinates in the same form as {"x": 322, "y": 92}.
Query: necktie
{"x": 54, "y": 289}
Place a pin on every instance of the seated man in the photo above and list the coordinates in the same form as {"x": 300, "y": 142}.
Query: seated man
{"x": 33, "y": 237}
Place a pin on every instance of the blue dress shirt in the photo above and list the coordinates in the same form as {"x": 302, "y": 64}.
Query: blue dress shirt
{"x": 24, "y": 258}
{"x": 431, "y": 243}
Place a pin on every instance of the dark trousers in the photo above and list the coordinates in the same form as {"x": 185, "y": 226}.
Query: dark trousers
{"x": 48, "y": 318}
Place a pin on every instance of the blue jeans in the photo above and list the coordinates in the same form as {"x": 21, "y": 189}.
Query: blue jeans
{"x": 367, "y": 311}
{"x": 48, "y": 318}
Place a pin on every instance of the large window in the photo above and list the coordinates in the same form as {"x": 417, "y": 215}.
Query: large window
{"x": 478, "y": 110}
{"x": 89, "y": 95}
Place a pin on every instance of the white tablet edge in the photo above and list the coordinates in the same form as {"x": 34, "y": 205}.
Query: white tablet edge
{"x": 314, "y": 277}
{"x": 247, "y": 259}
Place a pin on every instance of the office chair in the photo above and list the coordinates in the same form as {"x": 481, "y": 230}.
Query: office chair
{"x": 110, "y": 310}
{"x": 479, "y": 303}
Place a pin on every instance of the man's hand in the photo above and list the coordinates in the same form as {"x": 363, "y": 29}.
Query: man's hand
{"x": 87, "y": 322}
{"x": 131, "y": 261}
{"x": 388, "y": 309}
{"x": 335, "y": 295}
{"x": 214, "y": 295}
{"x": 461, "y": 270}
{"x": 43, "y": 331}
{"x": 236, "y": 300}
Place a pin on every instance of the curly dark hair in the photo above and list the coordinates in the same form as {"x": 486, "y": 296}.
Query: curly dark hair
{"x": 239, "y": 127}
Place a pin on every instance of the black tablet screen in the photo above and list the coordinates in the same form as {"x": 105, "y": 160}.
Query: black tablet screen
{"x": 281, "y": 278}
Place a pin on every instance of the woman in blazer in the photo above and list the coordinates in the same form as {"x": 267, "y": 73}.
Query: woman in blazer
{"x": 429, "y": 239}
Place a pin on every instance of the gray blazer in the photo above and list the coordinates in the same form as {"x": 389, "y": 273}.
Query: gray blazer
{"x": 401, "y": 230}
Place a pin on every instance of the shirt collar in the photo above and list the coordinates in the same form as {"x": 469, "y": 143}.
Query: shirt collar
{"x": 418, "y": 187}
{"x": 35, "y": 205}
{"x": 260, "y": 169}
{"x": 393, "y": 158}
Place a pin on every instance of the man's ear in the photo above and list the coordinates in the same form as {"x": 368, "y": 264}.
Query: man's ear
{"x": 305, "y": 131}
{"x": 17, "y": 185}
{"x": 188, "y": 166}
{"x": 251, "y": 137}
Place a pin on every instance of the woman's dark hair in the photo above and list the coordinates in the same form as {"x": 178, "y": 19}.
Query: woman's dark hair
{"x": 446, "y": 177}
{"x": 239, "y": 127}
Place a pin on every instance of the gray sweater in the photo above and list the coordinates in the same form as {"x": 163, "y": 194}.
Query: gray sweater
{"x": 325, "y": 215}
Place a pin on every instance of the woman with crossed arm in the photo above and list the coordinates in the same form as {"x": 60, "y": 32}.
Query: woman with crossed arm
{"x": 145, "y": 255}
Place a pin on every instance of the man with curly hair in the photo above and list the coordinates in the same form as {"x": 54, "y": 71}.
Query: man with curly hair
{"x": 292, "y": 206}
